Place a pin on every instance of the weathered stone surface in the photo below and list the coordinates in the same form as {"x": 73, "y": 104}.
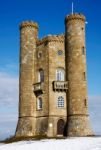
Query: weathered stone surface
{"x": 49, "y": 54}
{"x": 79, "y": 125}
{"x": 26, "y": 127}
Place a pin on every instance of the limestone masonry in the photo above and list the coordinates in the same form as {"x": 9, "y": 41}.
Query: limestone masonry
{"x": 53, "y": 87}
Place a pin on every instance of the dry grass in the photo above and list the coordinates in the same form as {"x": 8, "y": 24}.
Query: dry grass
{"x": 34, "y": 138}
{"x": 31, "y": 138}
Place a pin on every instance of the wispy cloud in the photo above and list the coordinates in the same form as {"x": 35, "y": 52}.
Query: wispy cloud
{"x": 95, "y": 113}
{"x": 8, "y": 104}
{"x": 11, "y": 68}
{"x": 8, "y": 123}
{"x": 95, "y": 98}
{"x": 8, "y": 89}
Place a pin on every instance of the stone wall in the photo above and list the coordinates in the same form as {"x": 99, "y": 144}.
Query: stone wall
{"x": 49, "y": 62}
{"x": 55, "y": 61}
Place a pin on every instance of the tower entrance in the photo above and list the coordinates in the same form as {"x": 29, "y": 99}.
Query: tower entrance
{"x": 60, "y": 127}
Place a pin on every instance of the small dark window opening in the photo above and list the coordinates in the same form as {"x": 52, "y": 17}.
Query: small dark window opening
{"x": 85, "y": 102}
{"x": 82, "y": 28}
{"x": 46, "y": 43}
{"x": 83, "y": 50}
{"x": 60, "y": 52}
{"x": 84, "y": 75}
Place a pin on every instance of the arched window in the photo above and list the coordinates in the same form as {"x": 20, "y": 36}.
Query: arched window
{"x": 39, "y": 103}
{"x": 60, "y": 74}
{"x": 41, "y": 75}
{"x": 39, "y": 55}
{"x": 60, "y": 102}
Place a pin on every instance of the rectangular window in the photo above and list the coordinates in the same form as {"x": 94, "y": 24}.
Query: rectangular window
{"x": 60, "y": 102}
{"x": 41, "y": 75}
{"x": 39, "y": 103}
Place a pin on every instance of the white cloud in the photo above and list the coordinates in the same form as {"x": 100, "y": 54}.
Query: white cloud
{"x": 9, "y": 86}
{"x": 12, "y": 68}
{"x": 8, "y": 117}
{"x": 8, "y": 123}
{"x": 95, "y": 113}
{"x": 8, "y": 89}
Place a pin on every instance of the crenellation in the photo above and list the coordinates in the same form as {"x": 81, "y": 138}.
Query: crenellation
{"x": 51, "y": 38}
{"x": 28, "y": 24}
{"x": 75, "y": 17}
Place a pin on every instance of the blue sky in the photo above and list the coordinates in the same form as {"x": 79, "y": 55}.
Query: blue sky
{"x": 50, "y": 15}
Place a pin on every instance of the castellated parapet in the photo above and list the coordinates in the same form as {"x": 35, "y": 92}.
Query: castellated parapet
{"x": 51, "y": 38}
{"x": 53, "y": 98}
{"x": 75, "y": 16}
{"x": 29, "y": 24}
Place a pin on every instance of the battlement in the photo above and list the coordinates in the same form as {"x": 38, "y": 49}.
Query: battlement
{"x": 75, "y": 16}
{"x": 28, "y": 24}
{"x": 50, "y": 38}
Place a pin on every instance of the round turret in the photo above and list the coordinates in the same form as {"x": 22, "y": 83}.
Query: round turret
{"x": 28, "y": 38}
{"x": 78, "y": 120}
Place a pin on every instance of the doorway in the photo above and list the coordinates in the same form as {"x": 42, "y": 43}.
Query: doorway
{"x": 60, "y": 127}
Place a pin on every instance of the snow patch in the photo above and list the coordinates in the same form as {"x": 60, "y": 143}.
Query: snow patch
{"x": 67, "y": 144}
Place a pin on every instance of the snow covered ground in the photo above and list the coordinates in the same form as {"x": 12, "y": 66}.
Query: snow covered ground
{"x": 88, "y": 143}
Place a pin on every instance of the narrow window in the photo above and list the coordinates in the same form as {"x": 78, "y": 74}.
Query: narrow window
{"x": 60, "y": 102}
{"x": 84, "y": 76}
{"x": 60, "y": 75}
{"x": 39, "y": 55}
{"x": 83, "y": 50}
{"x": 41, "y": 75}
{"x": 39, "y": 103}
{"x": 85, "y": 102}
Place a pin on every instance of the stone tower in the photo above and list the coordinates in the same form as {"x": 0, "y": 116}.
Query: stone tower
{"x": 28, "y": 38}
{"x": 75, "y": 51}
{"x": 53, "y": 86}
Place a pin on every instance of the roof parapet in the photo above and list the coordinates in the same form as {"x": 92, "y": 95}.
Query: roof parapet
{"x": 51, "y": 38}
{"x": 28, "y": 24}
{"x": 75, "y": 16}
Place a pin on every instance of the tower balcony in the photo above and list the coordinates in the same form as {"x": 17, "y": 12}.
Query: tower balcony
{"x": 60, "y": 85}
{"x": 38, "y": 87}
